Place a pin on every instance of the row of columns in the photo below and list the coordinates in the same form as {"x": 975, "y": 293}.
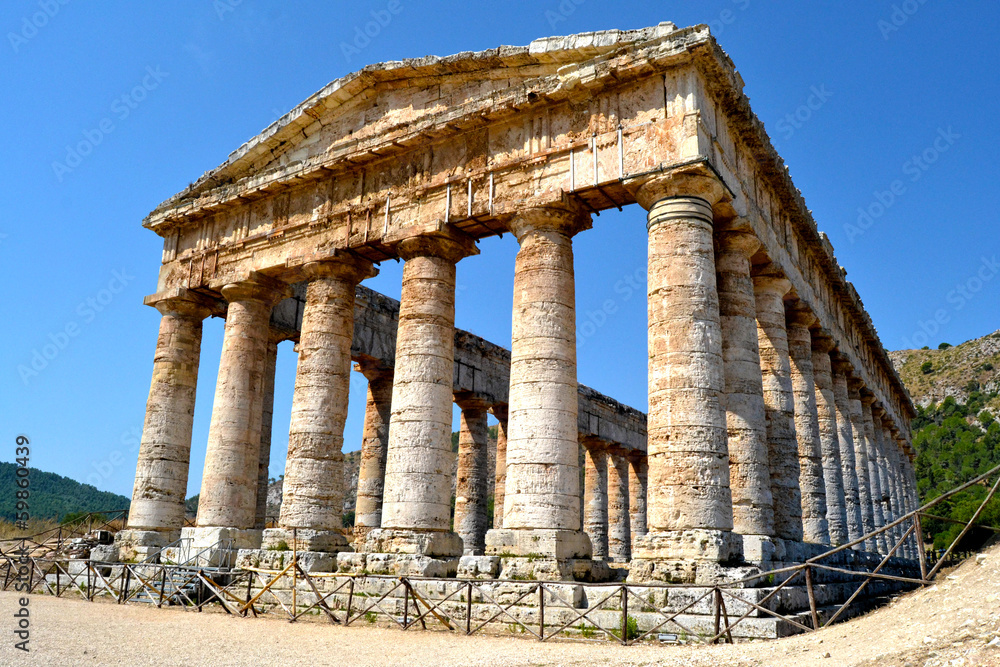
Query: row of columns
{"x": 758, "y": 428}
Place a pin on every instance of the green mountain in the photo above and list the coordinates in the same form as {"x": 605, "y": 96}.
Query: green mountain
{"x": 53, "y": 496}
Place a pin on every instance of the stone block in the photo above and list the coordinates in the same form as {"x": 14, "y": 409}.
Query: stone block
{"x": 304, "y": 539}
{"x": 553, "y": 544}
{"x": 479, "y": 567}
{"x": 426, "y": 543}
{"x": 107, "y": 553}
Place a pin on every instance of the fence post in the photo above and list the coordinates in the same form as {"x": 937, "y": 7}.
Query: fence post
{"x": 624, "y": 615}
{"x": 406, "y": 604}
{"x": 717, "y": 603}
{"x": 126, "y": 580}
{"x": 295, "y": 567}
{"x": 163, "y": 585}
{"x": 468, "y": 612}
{"x": 919, "y": 530}
{"x": 812, "y": 597}
{"x": 350, "y": 599}
{"x": 541, "y": 611}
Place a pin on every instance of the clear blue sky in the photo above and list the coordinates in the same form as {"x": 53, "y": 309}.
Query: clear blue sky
{"x": 201, "y": 77}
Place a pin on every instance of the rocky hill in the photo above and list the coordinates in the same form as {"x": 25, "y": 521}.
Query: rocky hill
{"x": 933, "y": 375}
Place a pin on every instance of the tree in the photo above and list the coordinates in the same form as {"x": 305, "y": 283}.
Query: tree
{"x": 927, "y": 367}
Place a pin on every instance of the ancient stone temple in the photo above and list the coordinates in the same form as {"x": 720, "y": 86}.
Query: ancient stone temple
{"x": 776, "y": 424}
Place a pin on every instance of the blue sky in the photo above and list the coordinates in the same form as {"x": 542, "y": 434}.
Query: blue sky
{"x": 879, "y": 107}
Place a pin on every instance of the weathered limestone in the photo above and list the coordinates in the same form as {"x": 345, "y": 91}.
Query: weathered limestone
{"x": 861, "y": 448}
{"x": 619, "y": 530}
{"x": 542, "y": 488}
{"x": 867, "y": 406}
{"x": 893, "y": 456}
{"x": 266, "y": 423}
{"x": 637, "y": 477}
{"x": 595, "y": 496}
{"x": 162, "y": 472}
{"x": 826, "y": 411}
{"x": 690, "y": 513}
{"x": 812, "y": 487}
{"x": 743, "y": 395}
{"x": 313, "y": 493}
{"x": 470, "y": 489}
{"x": 885, "y": 442}
{"x": 416, "y": 511}
{"x": 770, "y": 289}
{"x": 229, "y": 485}
{"x": 374, "y": 446}
{"x": 845, "y": 436}
{"x": 500, "y": 483}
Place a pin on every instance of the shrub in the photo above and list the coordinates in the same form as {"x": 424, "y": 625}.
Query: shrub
{"x": 927, "y": 367}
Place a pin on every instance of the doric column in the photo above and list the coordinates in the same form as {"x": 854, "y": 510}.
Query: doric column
{"x": 313, "y": 492}
{"x": 229, "y": 485}
{"x": 770, "y": 289}
{"x": 470, "y": 486}
{"x": 871, "y": 435}
{"x": 595, "y": 496}
{"x": 542, "y": 489}
{"x": 896, "y": 486}
{"x": 374, "y": 446}
{"x": 416, "y": 512}
{"x": 689, "y": 500}
{"x": 619, "y": 530}
{"x": 266, "y": 423}
{"x": 743, "y": 394}
{"x": 854, "y": 386}
{"x": 161, "y": 475}
{"x": 911, "y": 477}
{"x": 826, "y": 411}
{"x": 500, "y": 483}
{"x": 845, "y": 435}
{"x": 888, "y": 510}
{"x": 637, "y": 472}
{"x": 811, "y": 478}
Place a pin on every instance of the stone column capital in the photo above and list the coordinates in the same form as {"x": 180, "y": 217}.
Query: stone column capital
{"x": 868, "y": 398}
{"x": 350, "y": 268}
{"x": 562, "y": 219}
{"x": 822, "y": 341}
{"x": 470, "y": 402}
{"x": 499, "y": 411}
{"x": 855, "y": 385}
{"x": 182, "y": 302}
{"x": 741, "y": 242}
{"x": 372, "y": 370}
{"x": 768, "y": 279}
{"x": 681, "y": 185}
{"x": 841, "y": 365}
{"x": 446, "y": 243}
{"x": 798, "y": 314}
{"x": 257, "y": 287}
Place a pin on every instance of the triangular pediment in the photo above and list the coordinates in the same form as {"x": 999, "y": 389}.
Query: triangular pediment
{"x": 388, "y": 99}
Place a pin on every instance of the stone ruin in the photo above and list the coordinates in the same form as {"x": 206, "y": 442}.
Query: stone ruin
{"x": 777, "y": 425}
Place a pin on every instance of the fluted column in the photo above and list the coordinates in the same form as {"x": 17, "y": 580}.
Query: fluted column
{"x": 845, "y": 435}
{"x": 690, "y": 511}
{"x": 826, "y": 411}
{"x": 313, "y": 491}
{"x": 861, "y": 448}
{"x": 871, "y": 435}
{"x": 619, "y": 529}
{"x": 779, "y": 402}
{"x": 896, "y": 486}
{"x": 542, "y": 489}
{"x": 743, "y": 394}
{"x": 374, "y": 447}
{"x": 266, "y": 424}
{"x": 815, "y": 528}
{"x": 500, "y": 482}
{"x": 416, "y": 511}
{"x": 470, "y": 486}
{"x": 595, "y": 496}
{"x": 161, "y": 474}
{"x": 229, "y": 484}
{"x": 888, "y": 510}
{"x": 637, "y": 474}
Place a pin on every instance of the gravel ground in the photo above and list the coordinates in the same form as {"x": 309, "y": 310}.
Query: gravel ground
{"x": 954, "y": 622}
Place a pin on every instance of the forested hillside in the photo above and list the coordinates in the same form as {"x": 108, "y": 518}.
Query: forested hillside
{"x": 54, "y": 496}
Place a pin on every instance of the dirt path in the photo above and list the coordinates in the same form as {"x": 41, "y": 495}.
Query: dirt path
{"x": 954, "y": 622}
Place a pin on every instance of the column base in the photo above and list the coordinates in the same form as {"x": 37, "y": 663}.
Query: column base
{"x": 759, "y": 550}
{"x": 538, "y": 543}
{"x": 397, "y": 564}
{"x": 304, "y": 539}
{"x": 436, "y": 544}
{"x": 210, "y": 546}
{"x": 275, "y": 559}
{"x": 700, "y": 556}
